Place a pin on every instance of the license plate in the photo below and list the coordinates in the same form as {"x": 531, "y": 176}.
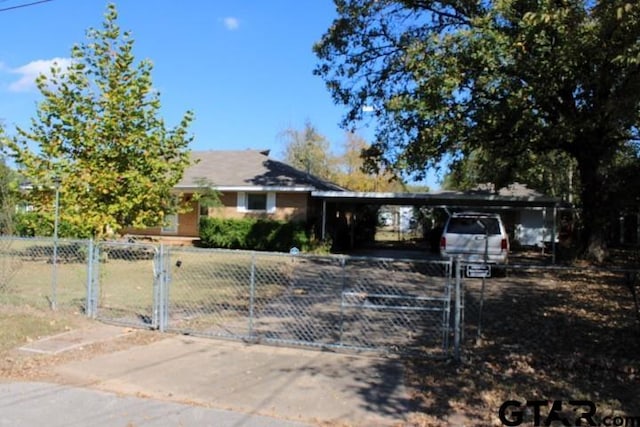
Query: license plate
{"x": 478, "y": 270}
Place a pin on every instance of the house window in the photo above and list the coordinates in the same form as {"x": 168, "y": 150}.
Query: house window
{"x": 257, "y": 202}
{"x": 170, "y": 224}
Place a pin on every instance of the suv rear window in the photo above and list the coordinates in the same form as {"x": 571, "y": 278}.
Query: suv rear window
{"x": 463, "y": 225}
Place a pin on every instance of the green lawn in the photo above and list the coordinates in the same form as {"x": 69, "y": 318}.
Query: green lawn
{"x": 23, "y": 324}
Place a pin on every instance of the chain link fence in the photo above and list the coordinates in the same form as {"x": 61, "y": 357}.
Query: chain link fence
{"x": 322, "y": 301}
{"x": 563, "y": 299}
{"x": 44, "y": 273}
{"x": 396, "y": 305}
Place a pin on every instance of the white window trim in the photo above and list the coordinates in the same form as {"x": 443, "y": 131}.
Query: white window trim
{"x": 242, "y": 203}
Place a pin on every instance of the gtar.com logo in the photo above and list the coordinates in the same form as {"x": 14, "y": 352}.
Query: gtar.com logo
{"x": 559, "y": 413}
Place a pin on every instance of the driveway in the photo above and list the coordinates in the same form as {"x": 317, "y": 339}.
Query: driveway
{"x": 287, "y": 384}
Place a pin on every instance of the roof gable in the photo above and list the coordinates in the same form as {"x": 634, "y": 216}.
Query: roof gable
{"x": 248, "y": 168}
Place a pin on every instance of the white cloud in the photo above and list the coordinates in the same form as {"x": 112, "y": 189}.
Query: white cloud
{"x": 29, "y": 72}
{"x": 231, "y": 23}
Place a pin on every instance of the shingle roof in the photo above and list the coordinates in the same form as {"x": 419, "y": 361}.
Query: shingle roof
{"x": 248, "y": 168}
{"x": 514, "y": 190}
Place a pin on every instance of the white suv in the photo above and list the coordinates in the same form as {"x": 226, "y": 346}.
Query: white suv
{"x": 475, "y": 237}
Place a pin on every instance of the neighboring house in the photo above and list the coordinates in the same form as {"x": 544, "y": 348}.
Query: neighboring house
{"x": 530, "y": 225}
{"x": 250, "y": 184}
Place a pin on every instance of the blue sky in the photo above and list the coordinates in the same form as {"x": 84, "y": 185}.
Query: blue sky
{"x": 244, "y": 67}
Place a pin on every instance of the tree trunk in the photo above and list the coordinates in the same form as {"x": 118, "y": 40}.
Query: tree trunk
{"x": 595, "y": 209}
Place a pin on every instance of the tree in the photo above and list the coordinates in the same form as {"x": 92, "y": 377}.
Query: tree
{"x": 352, "y": 174}
{"x": 509, "y": 77}
{"x": 98, "y": 130}
{"x": 308, "y": 150}
{"x": 550, "y": 173}
{"x": 8, "y": 193}
{"x": 9, "y": 265}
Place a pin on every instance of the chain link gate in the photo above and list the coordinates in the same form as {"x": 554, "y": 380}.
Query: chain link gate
{"x": 315, "y": 301}
{"x": 318, "y": 301}
{"x": 125, "y": 284}
{"x": 401, "y": 305}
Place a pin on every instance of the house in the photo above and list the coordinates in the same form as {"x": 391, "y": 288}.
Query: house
{"x": 528, "y": 225}
{"x": 250, "y": 184}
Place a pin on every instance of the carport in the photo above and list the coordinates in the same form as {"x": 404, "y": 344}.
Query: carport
{"x": 515, "y": 197}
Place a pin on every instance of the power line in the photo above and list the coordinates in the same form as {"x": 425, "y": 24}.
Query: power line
{"x": 24, "y": 5}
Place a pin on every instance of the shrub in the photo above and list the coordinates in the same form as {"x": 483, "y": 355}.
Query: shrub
{"x": 253, "y": 234}
{"x": 34, "y": 224}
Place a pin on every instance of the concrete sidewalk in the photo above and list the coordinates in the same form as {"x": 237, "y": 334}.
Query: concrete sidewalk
{"x": 297, "y": 385}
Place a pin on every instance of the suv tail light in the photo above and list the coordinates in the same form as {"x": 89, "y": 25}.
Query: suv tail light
{"x": 504, "y": 245}
{"x": 443, "y": 243}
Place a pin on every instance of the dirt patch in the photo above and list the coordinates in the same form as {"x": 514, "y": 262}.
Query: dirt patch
{"x": 545, "y": 336}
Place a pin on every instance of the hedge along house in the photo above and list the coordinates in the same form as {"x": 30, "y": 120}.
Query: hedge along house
{"x": 249, "y": 184}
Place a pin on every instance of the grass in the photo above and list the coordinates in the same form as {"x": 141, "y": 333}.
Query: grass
{"x": 31, "y": 283}
{"x": 24, "y": 324}
{"x": 27, "y": 274}
{"x": 198, "y": 279}
{"x": 203, "y": 284}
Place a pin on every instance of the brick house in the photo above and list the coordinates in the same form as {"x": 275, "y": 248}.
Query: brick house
{"x": 250, "y": 184}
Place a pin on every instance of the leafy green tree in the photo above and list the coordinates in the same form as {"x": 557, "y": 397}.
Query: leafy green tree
{"x": 624, "y": 192}
{"x": 446, "y": 78}
{"x": 550, "y": 173}
{"x": 309, "y": 151}
{"x": 352, "y": 174}
{"x": 98, "y": 130}
{"x": 8, "y": 193}
{"x": 9, "y": 265}
{"x": 207, "y": 195}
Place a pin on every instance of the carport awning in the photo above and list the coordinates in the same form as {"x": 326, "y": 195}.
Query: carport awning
{"x": 441, "y": 198}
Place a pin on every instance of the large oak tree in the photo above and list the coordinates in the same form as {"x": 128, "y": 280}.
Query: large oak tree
{"x": 509, "y": 77}
{"x": 98, "y": 131}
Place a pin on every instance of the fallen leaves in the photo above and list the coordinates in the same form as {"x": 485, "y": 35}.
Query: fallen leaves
{"x": 545, "y": 337}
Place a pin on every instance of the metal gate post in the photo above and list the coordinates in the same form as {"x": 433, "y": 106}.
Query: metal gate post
{"x": 95, "y": 278}
{"x": 157, "y": 279}
{"x": 164, "y": 288}
{"x": 90, "y": 302}
{"x": 458, "y": 316}
{"x": 446, "y": 315}
{"x": 252, "y": 293}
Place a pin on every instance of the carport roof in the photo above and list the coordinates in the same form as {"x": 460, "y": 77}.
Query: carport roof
{"x": 444, "y": 198}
